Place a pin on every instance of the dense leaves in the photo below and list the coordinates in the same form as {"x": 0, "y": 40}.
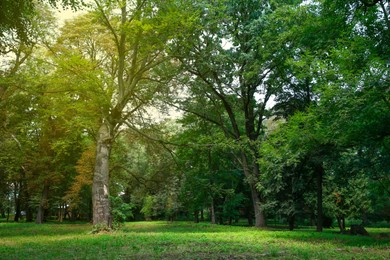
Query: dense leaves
{"x": 276, "y": 117}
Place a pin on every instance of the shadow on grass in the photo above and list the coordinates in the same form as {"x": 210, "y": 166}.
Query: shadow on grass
{"x": 160, "y": 240}
{"x": 310, "y": 236}
{"x": 15, "y": 229}
{"x": 182, "y": 240}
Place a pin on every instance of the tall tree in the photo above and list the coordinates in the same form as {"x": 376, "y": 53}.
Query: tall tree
{"x": 123, "y": 48}
{"x": 233, "y": 63}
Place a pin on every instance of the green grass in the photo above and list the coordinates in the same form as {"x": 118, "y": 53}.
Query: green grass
{"x": 184, "y": 240}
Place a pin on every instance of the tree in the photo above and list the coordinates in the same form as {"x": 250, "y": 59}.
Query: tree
{"x": 125, "y": 44}
{"x": 19, "y": 102}
{"x": 16, "y": 17}
{"x": 231, "y": 62}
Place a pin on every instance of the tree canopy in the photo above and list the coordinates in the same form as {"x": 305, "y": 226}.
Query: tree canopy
{"x": 276, "y": 118}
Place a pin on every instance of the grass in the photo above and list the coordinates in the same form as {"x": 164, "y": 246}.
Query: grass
{"x": 184, "y": 240}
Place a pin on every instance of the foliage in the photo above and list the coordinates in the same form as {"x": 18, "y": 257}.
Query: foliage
{"x": 84, "y": 169}
{"x": 220, "y": 62}
{"x": 120, "y": 210}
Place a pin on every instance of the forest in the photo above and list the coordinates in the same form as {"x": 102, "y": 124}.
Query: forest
{"x": 256, "y": 112}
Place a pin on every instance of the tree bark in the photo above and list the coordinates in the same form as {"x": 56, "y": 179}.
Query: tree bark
{"x": 320, "y": 173}
{"x": 26, "y": 198}
{"x": 8, "y": 211}
{"x": 341, "y": 223}
{"x": 17, "y": 190}
{"x": 100, "y": 191}
{"x": 213, "y": 219}
{"x": 252, "y": 178}
{"x": 291, "y": 222}
{"x": 196, "y": 216}
{"x": 42, "y": 205}
{"x": 2, "y": 213}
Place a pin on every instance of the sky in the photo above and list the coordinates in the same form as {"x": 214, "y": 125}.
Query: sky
{"x": 63, "y": 15}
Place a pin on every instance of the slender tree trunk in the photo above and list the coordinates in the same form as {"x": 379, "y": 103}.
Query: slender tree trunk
{"x": 2, "y": 212}
{"x": 341, "y": 223}
{"x": 42, "y": 205}
{"x": 8, "y": 211}
{"x": 100, "y": 191}
{"x": 17, "y": 201}
{"x": 213, "y": 219}
{"x": 320, "y": 173}
{"x": 61, "y": 212}
{"x": 196, "y": 216}
{"x": 291, "y": 222}
{"x": 26, "y": 200}
{"x": 201, "y": 215}
{"x": 385, "y": 14}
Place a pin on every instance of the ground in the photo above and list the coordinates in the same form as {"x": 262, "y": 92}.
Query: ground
{"x": 185, "y": 240}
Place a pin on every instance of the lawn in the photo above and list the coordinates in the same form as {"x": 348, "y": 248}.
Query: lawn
{"x": 185, "y": 240}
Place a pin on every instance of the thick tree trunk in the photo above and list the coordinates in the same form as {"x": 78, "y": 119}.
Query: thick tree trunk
{"x": 320, "y": 173}
{"x": 100, "y": 191}
{"x": 42, "y": 205}
{"x": 259, "y": 214}
{"x": 252, "y": 178}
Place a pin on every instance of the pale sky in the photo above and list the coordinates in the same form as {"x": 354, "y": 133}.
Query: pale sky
{"x": 63, "y": 15}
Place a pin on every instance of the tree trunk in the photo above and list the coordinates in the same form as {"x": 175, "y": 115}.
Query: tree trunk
{"x": 2, "y": 213}
{"x": 100, "y": 191}
{"x": 42, "y": 205}
{"x": 291, "y": 222}
{"x": 27, "y": 205}
{"x": 341, "y": 223}
{"x": 8, "y": 211}
{"x": 213, "y": 219}
{"x": 196, "y": 216}
{"x": 320, "y": 173}
{"x": 201, "y": 215}
{"x": 17, "y": 201}
{"x": 252, "y": 178}
{"x": 61, "y": 212}
{"x": 259, "y": 214}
